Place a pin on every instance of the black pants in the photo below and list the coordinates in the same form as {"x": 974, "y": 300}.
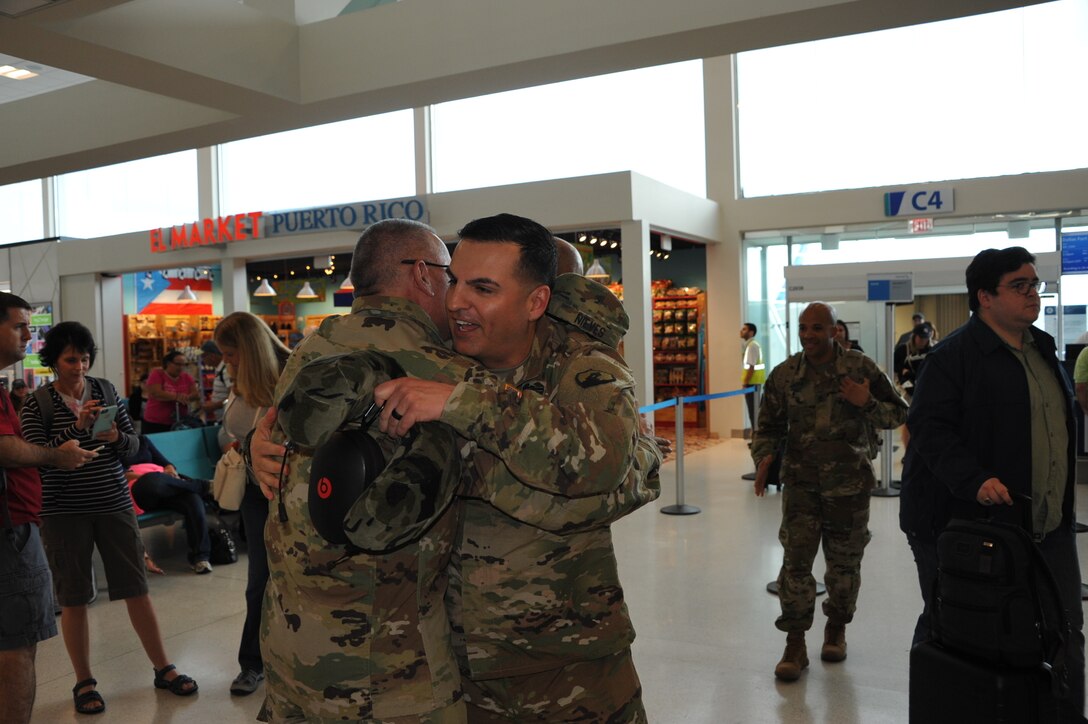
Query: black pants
{"x": 159, "y": 491}
{"x": 750, "y": 399}
{"x": 254, "y": 514}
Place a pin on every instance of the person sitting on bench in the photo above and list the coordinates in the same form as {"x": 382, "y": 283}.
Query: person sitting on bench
{"x": 156, "y": 485}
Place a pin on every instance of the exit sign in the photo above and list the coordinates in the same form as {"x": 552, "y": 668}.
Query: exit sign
{"x": 920, "y": 226}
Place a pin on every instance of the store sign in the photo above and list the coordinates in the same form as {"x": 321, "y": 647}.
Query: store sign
{"x": 920, "y": 200}
{"x": 256, "y": 225}
{"x": 220, "y": 230}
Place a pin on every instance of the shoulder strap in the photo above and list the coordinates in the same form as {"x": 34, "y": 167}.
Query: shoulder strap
{"x": 109, "y": 396}
{"x": 45, "y": 408}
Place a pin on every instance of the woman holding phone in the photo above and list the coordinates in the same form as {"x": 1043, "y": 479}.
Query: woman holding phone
{"x": 91, "y": 508}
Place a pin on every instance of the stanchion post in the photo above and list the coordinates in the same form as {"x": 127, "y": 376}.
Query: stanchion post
{"x": 680, "y": 508}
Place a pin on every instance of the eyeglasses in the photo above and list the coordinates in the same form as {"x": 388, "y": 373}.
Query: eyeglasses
{"x": 428, "y": 263}
{"x": 1023, "y": 287}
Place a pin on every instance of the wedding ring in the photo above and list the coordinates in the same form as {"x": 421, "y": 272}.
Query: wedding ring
{"x": 396, "y": 415}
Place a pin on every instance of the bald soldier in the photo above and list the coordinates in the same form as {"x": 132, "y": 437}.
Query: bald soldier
{"x": 570, "y": 260}
{"x": 821, "y": 409}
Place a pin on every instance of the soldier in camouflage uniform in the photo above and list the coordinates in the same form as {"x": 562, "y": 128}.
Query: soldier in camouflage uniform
{"x": 366, "y": 637}
{"x": 821, "y": 407}
{"x": 541, "y": 627}
{"x": 374, "y": 526}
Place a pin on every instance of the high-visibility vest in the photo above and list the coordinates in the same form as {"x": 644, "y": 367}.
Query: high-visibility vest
{"x": 759, "y": 375}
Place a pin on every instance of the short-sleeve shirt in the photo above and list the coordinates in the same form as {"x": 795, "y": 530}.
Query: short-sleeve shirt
{"x": 1080, "y": 371}
{"x": 24, "y": 485}
{"x": 160, "y": 411}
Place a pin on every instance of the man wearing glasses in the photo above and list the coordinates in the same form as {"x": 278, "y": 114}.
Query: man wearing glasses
{"x": 992, "y": 418}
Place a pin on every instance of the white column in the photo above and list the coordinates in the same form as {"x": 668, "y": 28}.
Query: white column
{"x": 637, "y": 350}
{"x": 424, "y": 182}
{"x": 235, "y": 285}
{"x": 724, "y": 284}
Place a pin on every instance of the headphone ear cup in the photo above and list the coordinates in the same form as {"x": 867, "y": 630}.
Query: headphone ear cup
{"x": 341, "y": 470}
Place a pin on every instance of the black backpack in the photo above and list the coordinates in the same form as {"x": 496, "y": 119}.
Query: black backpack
{"x": 996, "y": 599}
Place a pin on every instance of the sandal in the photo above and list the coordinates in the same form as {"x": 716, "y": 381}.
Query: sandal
{"x": 177, "y": 684}
{"x": 83, "y": 701}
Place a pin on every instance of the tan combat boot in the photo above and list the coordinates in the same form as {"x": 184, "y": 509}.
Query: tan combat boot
{"x": 794, "y": 659}
{"x": 834, "y": 642}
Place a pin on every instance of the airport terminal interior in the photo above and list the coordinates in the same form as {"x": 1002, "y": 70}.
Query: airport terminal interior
{"x": 713, "y": 163}
{"x": 696, "y": 587}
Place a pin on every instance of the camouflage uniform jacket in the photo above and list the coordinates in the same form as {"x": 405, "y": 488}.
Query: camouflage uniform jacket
{"x": 365, "y": 636}
{"x": 829, "y": 443}
{"x": 554, "y": 457}
{"x": 565, "y": 422}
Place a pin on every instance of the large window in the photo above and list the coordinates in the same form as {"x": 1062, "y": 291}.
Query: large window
{"x": 356, "y": 160}
{"x": 648, "y": 120}
{"x": 133, "y": 196}
{"x": 21, "y": 210}
{"x": 988, "y": 95}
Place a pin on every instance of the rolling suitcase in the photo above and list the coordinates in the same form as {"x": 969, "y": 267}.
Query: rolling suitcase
{"x": 950, "y": 688}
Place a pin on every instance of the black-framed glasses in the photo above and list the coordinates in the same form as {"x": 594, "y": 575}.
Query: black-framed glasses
{"x": 428, "y": 263}
{"x": 1023, "y": 287}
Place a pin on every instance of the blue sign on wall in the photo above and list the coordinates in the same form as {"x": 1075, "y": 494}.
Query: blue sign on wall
{"x": 920, "y": 201}
{"x": 1075, "y": 253}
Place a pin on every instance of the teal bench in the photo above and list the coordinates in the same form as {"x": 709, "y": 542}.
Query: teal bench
{"x": 193, "y": 452}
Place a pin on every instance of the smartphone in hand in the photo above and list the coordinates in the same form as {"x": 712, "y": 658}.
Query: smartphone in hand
{"x": 102, "y": 423}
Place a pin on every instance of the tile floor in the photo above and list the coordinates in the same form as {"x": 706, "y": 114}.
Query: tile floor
{"x": 695, "y": 586}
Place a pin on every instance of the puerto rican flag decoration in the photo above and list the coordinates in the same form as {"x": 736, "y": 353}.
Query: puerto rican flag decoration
{"x": 157, "y": 294}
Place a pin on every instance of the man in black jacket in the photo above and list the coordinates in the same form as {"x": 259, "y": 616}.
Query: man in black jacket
{"x": 992, "y": 417}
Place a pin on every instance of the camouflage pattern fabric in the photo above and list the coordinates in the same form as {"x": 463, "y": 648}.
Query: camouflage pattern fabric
{"x": 842, "y": 523}
{"x": 829, "y": 443}
{"x": 590, "y": 307}
{"x": 827, "y": 470}
{"x": 359, "y": 637}
{"x": 565, "y": 422}
{"x": 422, "y": 471}
{"x": 614, "y": 694}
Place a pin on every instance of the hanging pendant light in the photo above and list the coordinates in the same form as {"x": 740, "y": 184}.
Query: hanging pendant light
{"x": 264, "y": 290}
{"x": 597, "y": 273}
{"x": 187, "y": 294}
{"x": 307, "y": 292}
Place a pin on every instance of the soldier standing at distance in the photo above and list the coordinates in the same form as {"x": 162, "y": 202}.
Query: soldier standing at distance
{"x": 824, "y": 403}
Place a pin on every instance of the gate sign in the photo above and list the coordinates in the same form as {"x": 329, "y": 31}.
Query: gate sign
{"x": 894, "y": 287}
{"x": 1075, "y": 253}
{"x": 920, "y": 201}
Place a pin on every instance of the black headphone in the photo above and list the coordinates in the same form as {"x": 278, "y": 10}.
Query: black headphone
{"x": 340, "y": 471}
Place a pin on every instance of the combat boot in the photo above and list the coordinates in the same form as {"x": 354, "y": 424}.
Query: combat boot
{"x": 794, "y": 659}
{"x": 834, "y": 642}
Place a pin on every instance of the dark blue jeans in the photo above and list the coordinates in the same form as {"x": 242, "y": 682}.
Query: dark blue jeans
{"x": 159, "y": 491}
{"x": 254, "y": 514}
{"x": 1059, "y": 549}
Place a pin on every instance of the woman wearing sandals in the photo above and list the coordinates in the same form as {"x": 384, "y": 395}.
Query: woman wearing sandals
{"x": 255, "y": 357}
{"x": 91, "y": 508}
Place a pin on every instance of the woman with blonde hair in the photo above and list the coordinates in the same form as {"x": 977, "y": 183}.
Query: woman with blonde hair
{"x": 255, "y": 357}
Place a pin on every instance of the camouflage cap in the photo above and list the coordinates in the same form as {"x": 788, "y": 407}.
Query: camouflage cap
{"x": 414, "y": 477}
{"x": 331, "y": 392}
{"x": 590, "y": 307}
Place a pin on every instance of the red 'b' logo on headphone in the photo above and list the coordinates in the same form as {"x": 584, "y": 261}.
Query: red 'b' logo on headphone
{"x": 324, "y": 488}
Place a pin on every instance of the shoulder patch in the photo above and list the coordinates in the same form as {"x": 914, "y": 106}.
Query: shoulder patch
{"x": 593, "y": 378}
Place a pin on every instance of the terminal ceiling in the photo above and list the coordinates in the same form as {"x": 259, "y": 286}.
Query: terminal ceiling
{"x": 129, "y": 79}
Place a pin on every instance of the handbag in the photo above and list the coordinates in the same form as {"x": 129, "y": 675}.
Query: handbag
{"x": 229, "y": 483}
{"x": 223, "y": 549}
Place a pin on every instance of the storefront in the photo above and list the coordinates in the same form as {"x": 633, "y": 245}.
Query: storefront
{"x": 210, "y": 257}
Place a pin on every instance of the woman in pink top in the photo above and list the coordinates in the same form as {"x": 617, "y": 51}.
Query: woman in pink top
{"x": 169, "y": 392}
